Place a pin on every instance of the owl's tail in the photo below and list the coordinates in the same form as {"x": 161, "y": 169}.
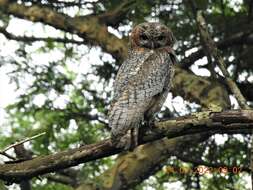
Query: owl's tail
{"x": 127, "y": 141}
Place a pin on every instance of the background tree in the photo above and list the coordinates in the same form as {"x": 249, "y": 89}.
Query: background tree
{"x": 63, "y": 62}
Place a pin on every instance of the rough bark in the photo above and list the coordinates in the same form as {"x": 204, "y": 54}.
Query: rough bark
{"x": 214, "y": 122}
{"x": 199, "y": 89}
{"x": 90, "y": 28}
{"x": 132, "y": 168}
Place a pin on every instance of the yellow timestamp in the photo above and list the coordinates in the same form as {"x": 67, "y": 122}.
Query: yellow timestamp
{"x": 201, "y": 170}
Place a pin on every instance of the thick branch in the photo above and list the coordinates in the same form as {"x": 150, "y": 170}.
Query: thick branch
{"x": 68, "y": 177}
{"x": 218, "y": 122}
{"x": 106, "y": 46}
{"x": 132, "y": 168}
{"x": 112, "y": 18}
{"x": 93, "y": 29}
{"x": 199, "y": 89}
{"x": 89, "y": 28}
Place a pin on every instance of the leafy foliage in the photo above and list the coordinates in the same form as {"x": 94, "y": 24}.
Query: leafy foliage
{"x": 64, "y": 88}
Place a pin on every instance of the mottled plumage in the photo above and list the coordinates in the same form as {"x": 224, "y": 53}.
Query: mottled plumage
{"x": 143, "y": 80}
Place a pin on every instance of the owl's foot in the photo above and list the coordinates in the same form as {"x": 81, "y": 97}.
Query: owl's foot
{"x": 128, "y": 141}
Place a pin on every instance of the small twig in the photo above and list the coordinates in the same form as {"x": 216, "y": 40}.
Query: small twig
{"x": 7, "y": 155}
{"x": 11, "y": 36}
{"x": 20, "y": 142}
{"x": 58, "y": 178}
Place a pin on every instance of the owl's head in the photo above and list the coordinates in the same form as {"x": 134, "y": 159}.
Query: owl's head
{"x": 151, "y": 35}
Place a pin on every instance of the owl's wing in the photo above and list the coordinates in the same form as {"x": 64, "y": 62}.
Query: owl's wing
{"x": 142, "y": 69}
{"x": 127, "y": 71}
{"x": 140, "y": 78}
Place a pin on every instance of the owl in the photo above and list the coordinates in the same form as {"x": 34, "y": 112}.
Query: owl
{"x": 142, "y": 82}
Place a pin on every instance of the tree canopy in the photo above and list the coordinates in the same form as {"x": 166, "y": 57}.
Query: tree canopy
{"x": 62, "y": 58}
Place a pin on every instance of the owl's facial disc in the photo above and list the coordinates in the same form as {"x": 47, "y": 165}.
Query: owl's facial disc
{"x": 152, "y": 35}
{"x": 152, "y": 41}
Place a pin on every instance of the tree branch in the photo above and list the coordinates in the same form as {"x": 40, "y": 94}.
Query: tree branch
{"x": 214, "y": 52}
{"x": 93, "y": 28}
{"x": 245, "y": 37}
{"x": 28, "y": 39}
{"x": 89, "y": 27}
{"x": 22, "y": 141}
{"x": 214, "y": 122}
{"x": 58, "y": 178}
{"x": 106, "y": 45}
{"x": 132, "y": 168}
{"x": 199, "y": 89}
{"x": 112, "y": 18}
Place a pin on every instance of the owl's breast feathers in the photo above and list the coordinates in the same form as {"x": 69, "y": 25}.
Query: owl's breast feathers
{"x": 170, "y": 51}
{"x": 142, "y": 81}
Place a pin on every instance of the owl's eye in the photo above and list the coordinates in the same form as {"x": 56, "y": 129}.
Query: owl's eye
{"x": 143, "y": 37}
{"x": 160, "y": 38}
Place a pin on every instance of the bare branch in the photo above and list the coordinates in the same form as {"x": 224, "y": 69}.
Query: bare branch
{"x": 240, "y": 38}
{"x": 22, "y": 142}
{"x": 88, "y": 27}
{"x": 62, "y": 179}
{"x": 213, "y": 122}
{"x": 7, "y": 155}
{"x": 112, "y": 18}
{"x": 35, "y": 39}
{"x": 214, "y": 52}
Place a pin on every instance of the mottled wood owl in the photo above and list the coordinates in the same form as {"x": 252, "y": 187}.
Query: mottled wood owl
{"x": 142, "y": 82}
